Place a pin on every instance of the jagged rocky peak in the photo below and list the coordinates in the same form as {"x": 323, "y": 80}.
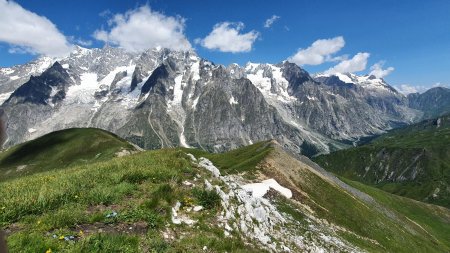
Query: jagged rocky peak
{"x": 48, "y": 88}
{"x": 236, "y": 71}
{"x": 295, "y": 74}
{"x": 12, "y": 77}
{"x": 161, "y": 97}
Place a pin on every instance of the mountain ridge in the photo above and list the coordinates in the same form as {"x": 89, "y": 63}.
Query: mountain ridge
{"x": 159, "y": 95}
{"x": 411, "y": 161}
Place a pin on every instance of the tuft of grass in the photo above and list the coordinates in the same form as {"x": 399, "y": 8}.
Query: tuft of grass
{"x": 135, "y": 177}
{"x": 65, "y": 217}
{"x": 207, "y": 199}
{"x": 31, "y": 242}
{"x": 108, "y": 243}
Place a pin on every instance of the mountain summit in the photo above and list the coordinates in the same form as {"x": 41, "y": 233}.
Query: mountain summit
{"x": 164, "y": 98}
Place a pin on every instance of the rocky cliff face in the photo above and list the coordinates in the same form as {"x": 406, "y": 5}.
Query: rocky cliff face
{"x": 163, "y": 98}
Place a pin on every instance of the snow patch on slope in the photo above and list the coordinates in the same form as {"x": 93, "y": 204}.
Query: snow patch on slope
{"x": 233, "y": 101}
{"x": 259, "y": 220}
{"x": 260, "y": 189}
{"x": 4, "y": 97}
{"x": 270, "y": 81}
{"x": 177, "y": 92}
{"x": 84, "y": 92}
{"x": 7, "y": 71}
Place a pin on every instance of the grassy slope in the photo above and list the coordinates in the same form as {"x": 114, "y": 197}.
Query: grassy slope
{"x": 238, "y": 160}
{"x": 143, "y": 187}
{"x": 397, "y": 150}
{"x": 384, "y": 222}
{"x": 59, "y": 150}
{"x": 431, "y": 219}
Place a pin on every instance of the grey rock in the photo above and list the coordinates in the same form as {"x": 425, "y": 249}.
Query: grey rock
{"x": 163, "y": 98}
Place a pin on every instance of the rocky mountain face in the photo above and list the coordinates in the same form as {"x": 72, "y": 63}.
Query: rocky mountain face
{"x": 434, "y": 102}
{"x": 14, "y": 77}
{"x": 162, "y": 98}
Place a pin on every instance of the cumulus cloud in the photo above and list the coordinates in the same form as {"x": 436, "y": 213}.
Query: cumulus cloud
{"x": 141, "y": 29}
{"x": 355, "y": 64}
{"x": 319, "y": 52}
{"x": 407, "y": 88}
{"x": 28, "y": 32}
{"x": 269, "y": 22}
{"x": 227, "y": 37}
{"x": 378, "y": 71}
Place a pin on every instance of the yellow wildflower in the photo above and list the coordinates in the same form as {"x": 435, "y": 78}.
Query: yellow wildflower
{"x": 39, "y": 222}
{"x": 49, "y": 251}
{"x": 61, "y": 237}
{"x": 80, "y": 233}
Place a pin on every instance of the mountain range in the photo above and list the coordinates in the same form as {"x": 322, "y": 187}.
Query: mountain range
{"x": 164, "y": 98}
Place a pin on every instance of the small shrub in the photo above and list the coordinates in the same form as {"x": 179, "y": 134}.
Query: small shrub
{"x": 164, "y": 192}
{"x": 208, "y": 199}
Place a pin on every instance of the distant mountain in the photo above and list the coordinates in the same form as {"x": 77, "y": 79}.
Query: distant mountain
{"x": 412, "y": 161}
{"x": 61, "y": 149}
{"x": 433, "y": 102}
{"x": 163, "y": 98}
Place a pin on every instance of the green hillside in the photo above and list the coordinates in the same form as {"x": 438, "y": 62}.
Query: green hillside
{"x": 125, "y": 204}
{"x": 61, "y": 149}
{"x": 412, "y": 162}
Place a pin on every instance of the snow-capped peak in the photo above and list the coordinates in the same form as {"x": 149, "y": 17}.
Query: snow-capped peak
{"x": 79, "y": 51}
{"x": 268, "y": 78}
{"x": 370, "y": 82}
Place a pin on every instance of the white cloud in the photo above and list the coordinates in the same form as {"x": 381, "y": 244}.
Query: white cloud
{"x": 101, "y": 35}
{"x": 355, "y": 64}
{"x": 378, "y": 71}
{"x": 269, "y": 22}
{"x": 407, "y": 89}
{"x": 319, "y": 52}
{"x": 142, "y": 28}
{"x": 439, "y": 84}
{"x": 28, "y": 32}
{"x": 226, "y": 37}
{"x": 84, "y": 43}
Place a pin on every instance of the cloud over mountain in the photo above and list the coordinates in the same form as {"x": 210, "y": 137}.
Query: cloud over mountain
{"x": 378, "y": 71}
{"x": 142, "y": 28}
{"x": 227, "y": 37}
{"x": 319, "y": 52}
{"x": 355, "y": 64}
{"x": 27, "y": 32}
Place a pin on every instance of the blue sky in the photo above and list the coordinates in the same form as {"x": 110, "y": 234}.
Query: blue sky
{"x": 412, "y": 37}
